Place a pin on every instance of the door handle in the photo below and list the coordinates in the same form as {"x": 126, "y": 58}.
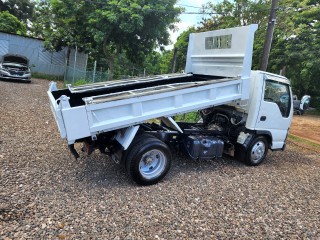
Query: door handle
{"x": 263, "y": 118}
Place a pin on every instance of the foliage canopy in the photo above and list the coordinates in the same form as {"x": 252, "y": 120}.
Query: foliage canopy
{"x": 123, "y": 34}
{"x": 21, "y": 9}
{"x": 11, "y": 24}
{"x": 108, "y": 28}
{"x": 296, "y": 41}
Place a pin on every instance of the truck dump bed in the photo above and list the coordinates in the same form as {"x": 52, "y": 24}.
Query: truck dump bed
{"x": 116, "y": 90}
{"x": 214, "y": 79}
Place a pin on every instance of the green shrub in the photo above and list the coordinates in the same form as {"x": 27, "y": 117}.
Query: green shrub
{"x": 47, "y": 76}
{"x": 80, "y": 82}
{"x": 188, "y": 117}
{"x": 315, "y": 103}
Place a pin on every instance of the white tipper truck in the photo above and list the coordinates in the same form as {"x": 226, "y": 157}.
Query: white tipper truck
{"x": 243, "y": 112}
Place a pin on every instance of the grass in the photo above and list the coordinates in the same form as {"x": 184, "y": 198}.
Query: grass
{"x": 47, "y": 76}
{"x": 304, "y": 142}
{"x": 314, "y": 112}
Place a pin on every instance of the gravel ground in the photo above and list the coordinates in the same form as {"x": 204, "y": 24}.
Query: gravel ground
{"x": 46, "y": 194}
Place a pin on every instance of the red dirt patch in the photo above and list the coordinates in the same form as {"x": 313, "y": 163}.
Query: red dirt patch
{"x": 306, "y": 126}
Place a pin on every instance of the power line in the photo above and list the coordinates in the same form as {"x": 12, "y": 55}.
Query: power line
{"x": 201, "y": 13}
{"x": 204, "y": 9}
{"x": 183, "y": 5}
{"x": 278, "y": 9}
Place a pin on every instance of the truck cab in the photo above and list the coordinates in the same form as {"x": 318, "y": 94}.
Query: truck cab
{"x": 260, "y": 123}
{"x": 269, "y": 114}
{"x": 270, "y": 107}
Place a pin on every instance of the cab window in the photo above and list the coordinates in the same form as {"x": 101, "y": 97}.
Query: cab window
{"x": 278, "y": 93}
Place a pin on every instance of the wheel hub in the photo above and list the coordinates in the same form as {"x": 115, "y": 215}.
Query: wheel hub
{"x": 152, "y": 163}
{"x": 149, "y": 160}
{"x": 258, "y": 151}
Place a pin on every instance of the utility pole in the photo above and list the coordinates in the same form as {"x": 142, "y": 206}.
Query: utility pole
{"x": 269, "y": 35}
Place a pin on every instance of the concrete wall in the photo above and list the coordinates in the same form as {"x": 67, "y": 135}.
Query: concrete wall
{"x": 41, "y": 61}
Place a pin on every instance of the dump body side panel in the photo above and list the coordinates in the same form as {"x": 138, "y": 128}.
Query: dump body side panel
{"x": 113, "y": 115}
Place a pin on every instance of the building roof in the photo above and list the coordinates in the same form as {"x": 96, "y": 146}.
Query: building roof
{"x": 22, "y": 35}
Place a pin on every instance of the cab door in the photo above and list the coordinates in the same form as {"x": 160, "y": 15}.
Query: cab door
{"x": 275, "y": 113}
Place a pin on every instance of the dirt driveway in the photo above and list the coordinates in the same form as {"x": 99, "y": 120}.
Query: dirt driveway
{"x": 306, "y": 126}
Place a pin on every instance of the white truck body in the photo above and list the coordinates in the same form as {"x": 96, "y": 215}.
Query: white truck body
{"x": 118, "y": 110}
{"x": 218, "y": 73}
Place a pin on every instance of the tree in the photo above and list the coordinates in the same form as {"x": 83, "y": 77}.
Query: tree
{"x": 235, "y": 13}
{"x": 297, "y": 45}
{"x": 182, "y": 47}
{"x": 22, "y": 9}
{"x": 165, "y": 62}
{"x": 108, "y": 28}
{"x": 64, "y": 24}
{"x": 152, "y": 63}
{"x": 296, "y": 40}
{"x": 136, "y": 26}
{"x": 228, "y": 14}
{"x": 42, "y": 19}
{"x": 11, "y": 24}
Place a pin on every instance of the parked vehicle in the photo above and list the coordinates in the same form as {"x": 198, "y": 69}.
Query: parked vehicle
{"x": 299, "y": 106}
{"x": 244, "y": 113}
{"x": 15, "y": 67}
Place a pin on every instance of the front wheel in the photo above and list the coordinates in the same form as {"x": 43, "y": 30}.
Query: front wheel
{"x": 148, "y": 161}
{"x": 256, "y": 151}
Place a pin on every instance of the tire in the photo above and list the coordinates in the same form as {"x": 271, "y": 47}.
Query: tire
{"x": 135, "y": 141}
{"x": 256, "y": 152}
{"x": 148, "y": 161}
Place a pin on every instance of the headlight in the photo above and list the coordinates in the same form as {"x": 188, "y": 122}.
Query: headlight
{"x": 3, "y": 69}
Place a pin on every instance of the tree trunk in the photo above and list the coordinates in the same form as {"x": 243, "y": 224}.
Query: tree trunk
{"x": 174, "y": 60}
{"x": 110, "y": 55}
{"x": 68, "y": 56}
{"x": 111, "y": 68}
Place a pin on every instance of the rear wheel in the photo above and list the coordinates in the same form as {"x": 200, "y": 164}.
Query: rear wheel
{"x": 148, "y": 161}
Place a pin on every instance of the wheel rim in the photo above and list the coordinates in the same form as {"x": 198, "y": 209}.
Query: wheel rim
{"x": 152, "y": 164}
{"x": 257, "y": 151}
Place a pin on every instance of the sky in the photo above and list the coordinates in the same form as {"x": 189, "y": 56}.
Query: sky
{"x": 187, "y": 20}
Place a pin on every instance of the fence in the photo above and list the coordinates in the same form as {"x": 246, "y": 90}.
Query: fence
{"x": 75, "y": 76}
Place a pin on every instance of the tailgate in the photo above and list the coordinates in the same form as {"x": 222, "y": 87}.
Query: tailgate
{"x": 225, "y": 53}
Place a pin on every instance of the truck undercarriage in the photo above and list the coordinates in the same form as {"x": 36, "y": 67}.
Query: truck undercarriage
{"x": 216, "y": 134}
